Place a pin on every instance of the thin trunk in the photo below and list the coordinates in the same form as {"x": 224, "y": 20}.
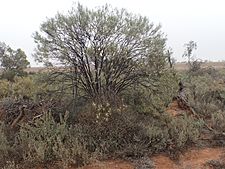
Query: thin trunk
{"x": 74, "y": 89}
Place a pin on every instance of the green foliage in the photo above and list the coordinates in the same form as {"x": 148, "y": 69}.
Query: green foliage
{"x": 158, "y": 137}
{"x": 115, "y": 77}
{"x": 216, "y": 164}
{"x": 13, "y": 62}
{"x": 37, "y": 142}
{"x": 110, "y": 48}
{"x": 184, "y": 130}
{"x": 218, "y": 121}
{"x": 25, "y": 86}
{"x": 123, "y": 133}
{"x": 22, "y": 86}
{"x": 11, "y": 165}
{"x": 205, "y": 91}
{"x": 193, "y": 63}
{"x": 116, "y": 136}
{"x": 206, "y": 94}
{"x": 190, "y": 47}
{"x": 130, "y": 134}
{"x": 166, "y": 89}
{"x": 155, "y": 97}
{"x": 4, "y": 144}
{"x": 172, "y": 134}
{"x": 48, "y": 140}
{"x": 5, "y": 88}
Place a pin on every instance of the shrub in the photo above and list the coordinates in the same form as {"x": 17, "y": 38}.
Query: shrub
{"x": 11, "y": 165}
{"x": 114, "y": 132}
{"x": 215, "y": 164}
{"x": 5, "y": 88}
{"x": 218, "y": 121}
{"x": 22, "y": 86}
{"x": 4, "y": 145}
{"x": 124, "y": 133}
{"x": 153, "y": 97}
{"x": 72, "y": 150}
{"x": 111, "y": 137}
{"x": 205, "y": 93}
{"x": 47, "y": 140}
{"x": 130, "y": 134}
{"x": 157, "y": 138}
{"x": 172, "y": 133}
{"x": 183, "y": 131}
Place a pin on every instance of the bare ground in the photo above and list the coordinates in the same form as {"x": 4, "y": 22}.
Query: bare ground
{"x": 191, "y": 159}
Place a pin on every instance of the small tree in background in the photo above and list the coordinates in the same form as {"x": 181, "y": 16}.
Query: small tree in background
{"x": 193, "y": 63}
{"x": 13, "y": 62}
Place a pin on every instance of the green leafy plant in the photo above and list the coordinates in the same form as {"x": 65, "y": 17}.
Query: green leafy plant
{"x": 4, "y": 145}
{"x": 183, "y": 131}
{"x": 47, "y": 140}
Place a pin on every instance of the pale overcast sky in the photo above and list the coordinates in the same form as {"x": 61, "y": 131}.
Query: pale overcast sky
{"x": 182, "y": 20}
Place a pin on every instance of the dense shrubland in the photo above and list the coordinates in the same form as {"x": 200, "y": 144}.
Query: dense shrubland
{"x": 108, "y": 97}
{"x": 133, "y": 126}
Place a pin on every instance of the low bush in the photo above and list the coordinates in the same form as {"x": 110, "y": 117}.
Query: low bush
{"x": 4, "y": 145}
{"x": 119, "y": 135}
{"x": 122, "y": 134}
{"x": 206, "y": 92}
{"x": 215, "y": 164}
{"x": 218, "y": 121}
{"x": 47, "y": 140}
{"x": 155, "y": 97}
{"x": 129, "y": 134}
{"x": 184, "y": 131}
{"x": 11, "y": 165}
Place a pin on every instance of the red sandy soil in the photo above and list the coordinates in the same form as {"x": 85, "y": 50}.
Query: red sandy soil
{"x": 192, "y": 159}
{"x": 174, "y": 109}
{"x": 110, "y": 165}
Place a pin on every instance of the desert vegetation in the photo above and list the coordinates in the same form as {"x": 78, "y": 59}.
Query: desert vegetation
{"x": 106, "y": 93}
